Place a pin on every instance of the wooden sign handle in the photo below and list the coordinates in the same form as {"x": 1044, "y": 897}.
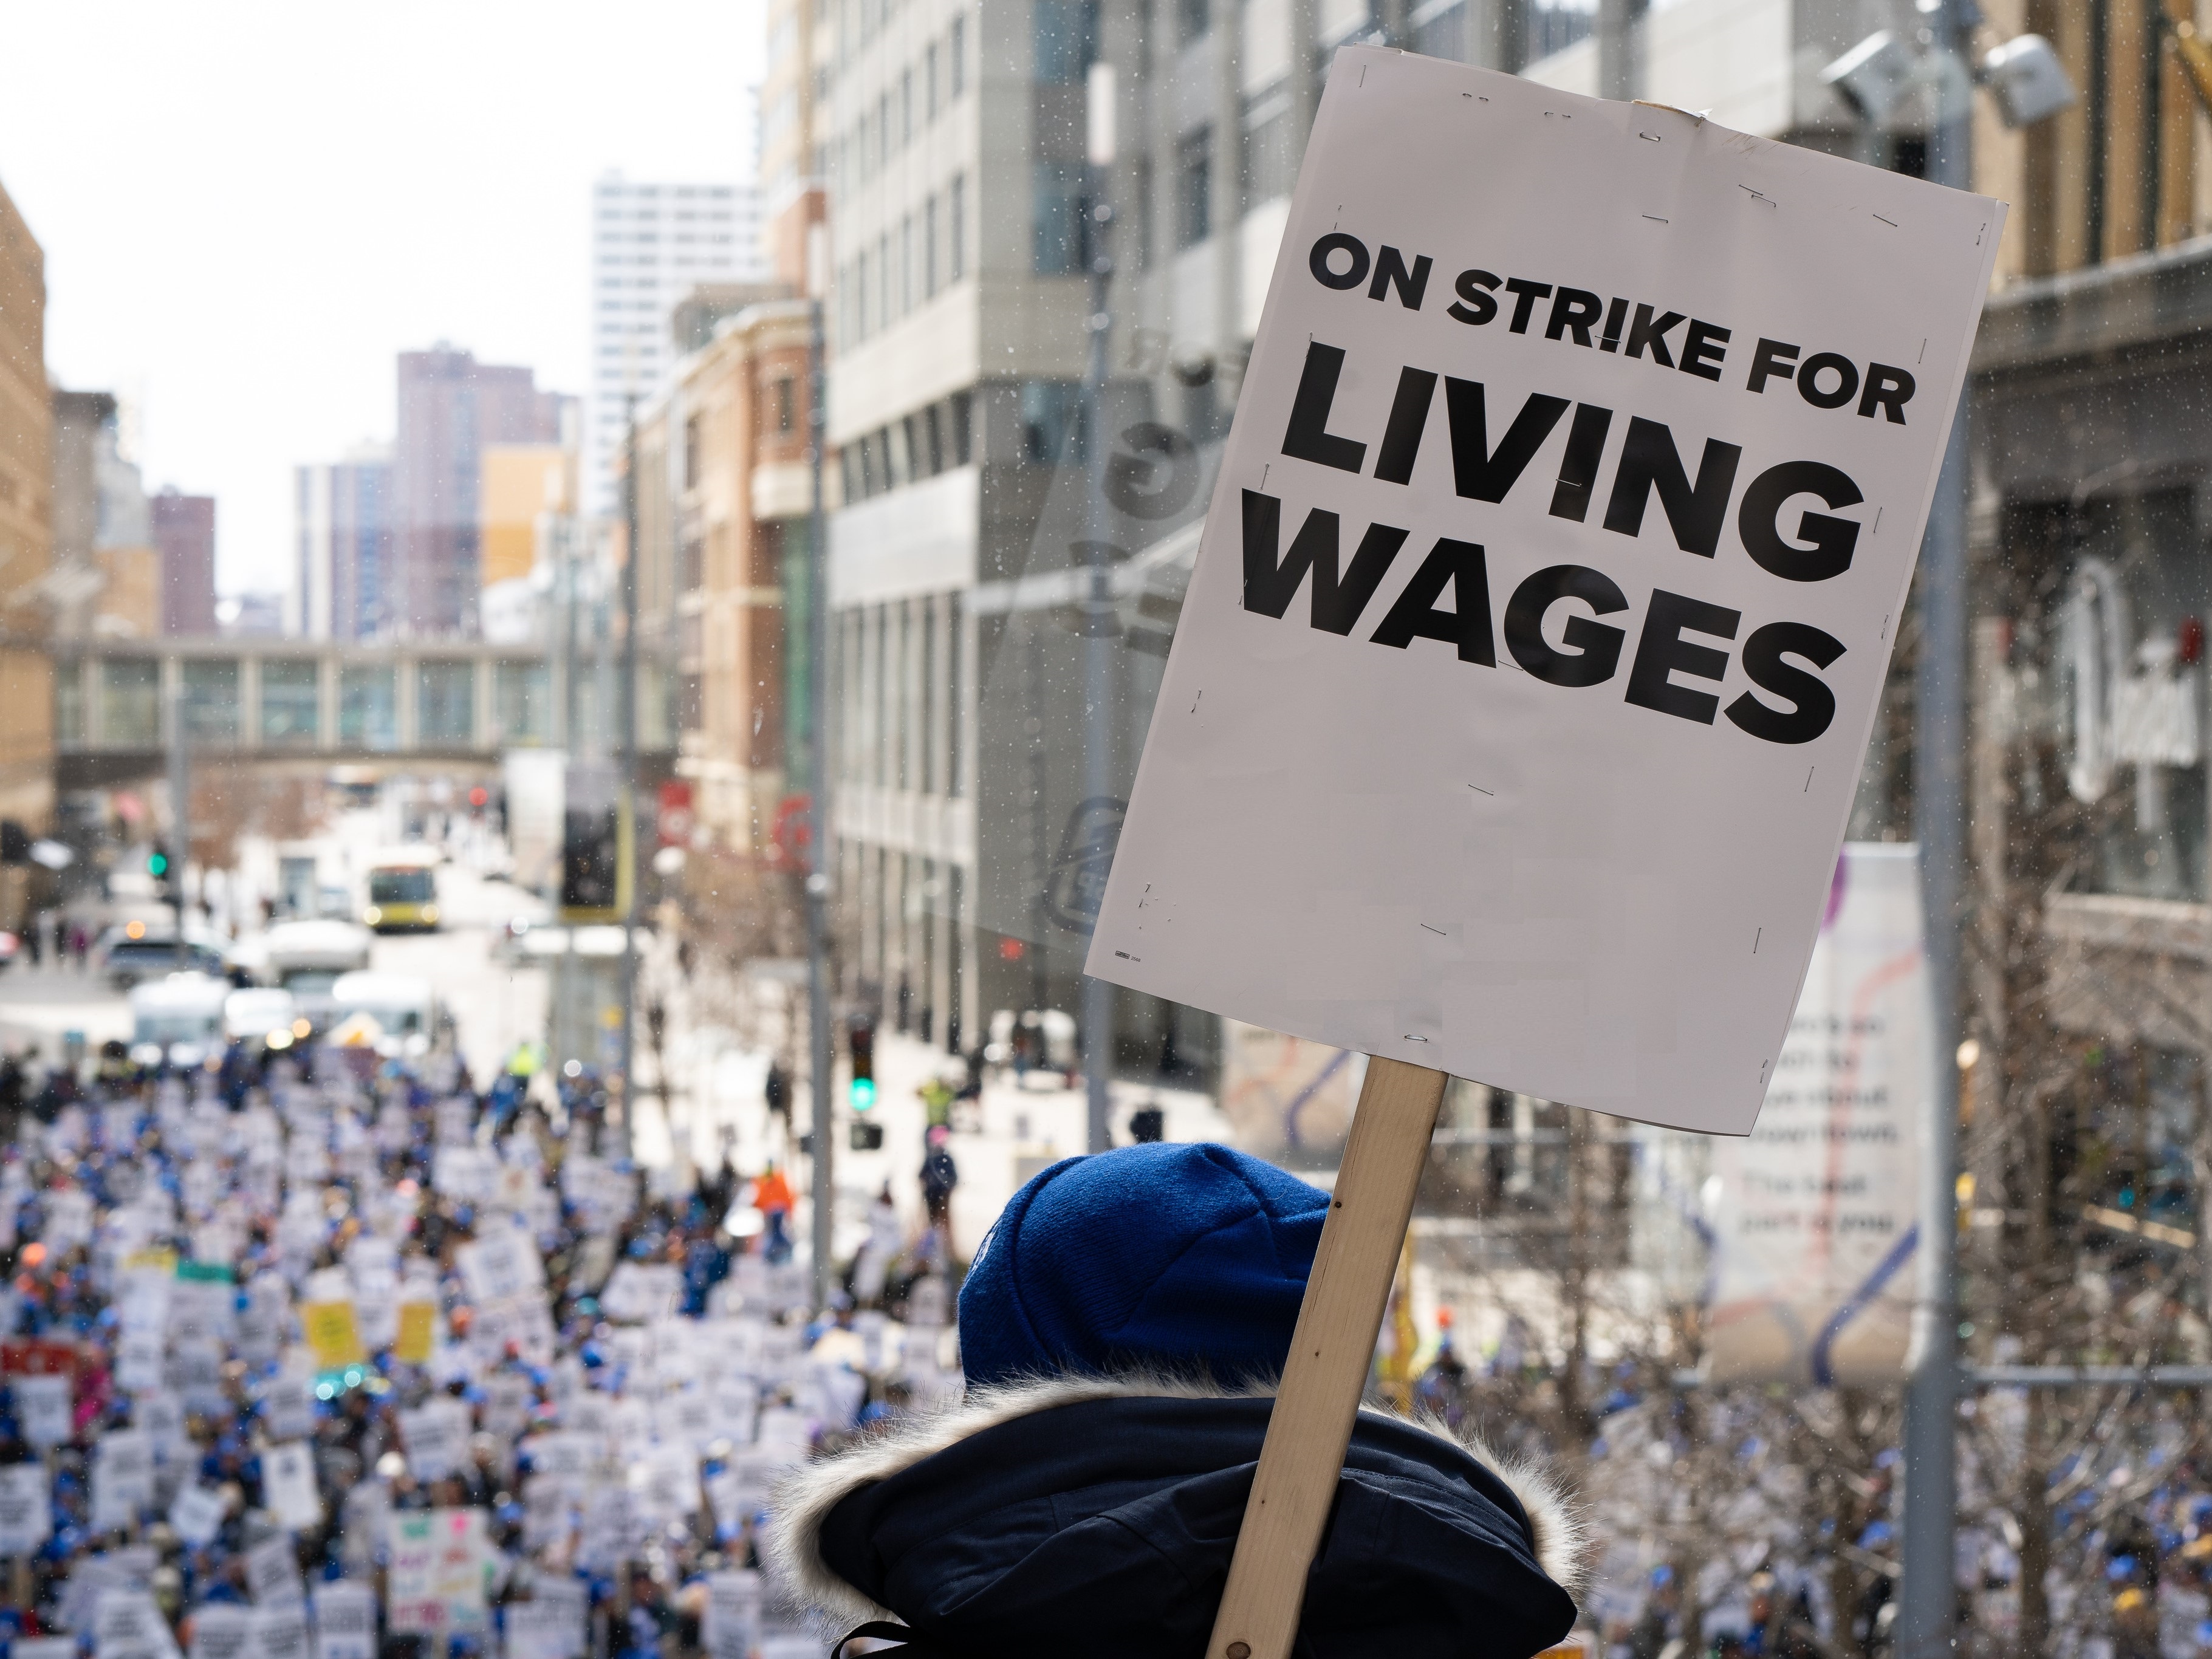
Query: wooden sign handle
{"x": 1331, "y": 1353}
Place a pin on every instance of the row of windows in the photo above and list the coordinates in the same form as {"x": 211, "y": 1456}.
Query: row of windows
{"x": 903, "y": 671}
{"x": 1061, "y": 227}
{"x": 916, "y": 446}
{"x": 908, "y": 104}
{"x": 926, "y": 253}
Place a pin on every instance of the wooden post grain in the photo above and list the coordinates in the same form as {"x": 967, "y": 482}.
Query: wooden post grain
{"x": 1330, "y": 1354}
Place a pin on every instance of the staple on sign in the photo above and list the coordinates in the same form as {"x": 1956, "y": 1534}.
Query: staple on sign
{"x": 1892, "y": 223}
{"x": 1755, "y": 938}
{"x": 1877, "y": 520}
{"x": 1922, "y": 357}
{"x": 1479, "y": 790}
{"x": 1655, "y": 218}
{"x": 1438, "y": 931}
{"x": 1651, "y": 138}
{"x": 1410, "y": 1038}
{"x": 1807, "y": 789}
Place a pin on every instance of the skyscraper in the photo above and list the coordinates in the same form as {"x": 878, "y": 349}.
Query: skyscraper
{"x": 450, "y": 407}
{"x": 342, "y": 526}
{"x": 183, "y": 532}
{"x": 652, "y": 244}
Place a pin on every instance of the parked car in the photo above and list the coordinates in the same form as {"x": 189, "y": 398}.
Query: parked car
{"x": 133, "y": 951}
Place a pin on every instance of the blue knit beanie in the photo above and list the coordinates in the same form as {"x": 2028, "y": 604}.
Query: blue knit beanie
{"x": 1182, "y": 1257}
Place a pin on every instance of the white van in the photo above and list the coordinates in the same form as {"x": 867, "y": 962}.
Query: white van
{"x": 261, "y": 1017}
{"x": 178, "y": 1018}
{"x": 308, "y": 958}
{"x": 404, "y": 1005}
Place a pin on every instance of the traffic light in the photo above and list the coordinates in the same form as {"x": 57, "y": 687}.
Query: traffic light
{"x": 163, "y": 869}
{"x": 865, "y": 1136}
{"x": 861, "y": 1033}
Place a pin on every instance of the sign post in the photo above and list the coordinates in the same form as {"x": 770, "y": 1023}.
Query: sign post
{"x": 1518, "y": 697}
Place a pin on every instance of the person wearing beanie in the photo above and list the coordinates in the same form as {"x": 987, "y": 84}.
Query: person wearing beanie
{"x": 1121, "y": 1331}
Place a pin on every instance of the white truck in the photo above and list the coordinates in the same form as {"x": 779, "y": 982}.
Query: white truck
{"x": 308, "y": 958}
{"x": 178, "y": 1018}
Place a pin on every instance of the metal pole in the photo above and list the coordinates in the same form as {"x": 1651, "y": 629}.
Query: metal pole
{"x": 817, "y": 815}
{"x": 180, "y": 813}
{"x": 626, "y": 797}
{"x": 1927, "y": 1605}
{"x": 1098, "y": 642}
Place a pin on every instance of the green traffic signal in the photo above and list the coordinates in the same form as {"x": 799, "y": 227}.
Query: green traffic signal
{"x": 864, "y": 1093}
{"x": 157, "y": 863}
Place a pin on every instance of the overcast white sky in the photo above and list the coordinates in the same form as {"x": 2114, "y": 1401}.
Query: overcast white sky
{"x": 247, "y": 209}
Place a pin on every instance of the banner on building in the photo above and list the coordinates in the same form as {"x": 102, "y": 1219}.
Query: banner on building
{"x": 1517, "y": 701}
{"x": 1815, "y": 1216}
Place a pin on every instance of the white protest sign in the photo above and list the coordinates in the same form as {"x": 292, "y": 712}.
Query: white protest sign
{"x": 345, "y": 1621}
{"x": 730, "y": 1629}
{"x": 1519, "y": 694}
{"x": 549, "y": 1625}
{"x": 435, "y": 1580}
{"x": 279, "y": 1631}
{"x": 272, "y": 1571}
{"x": 1815, "y": 1214}
{"x": 43, "y": 1647}
{"x": 129, "y": 1624}
{"x": 27, "y": 1509}
{"x": 436, "y": 1434}
{"x": 195, "y": 1515}
{"x": 288, "y": 1485}
{"x": 42, "y": 1410}
{"x": 288, "y": 1407}
{"x": 221, "y": 1630}
{"x": 122, "y": 1478}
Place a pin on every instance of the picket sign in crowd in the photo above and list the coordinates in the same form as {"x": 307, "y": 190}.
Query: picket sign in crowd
{"x": 347, "y": 1362}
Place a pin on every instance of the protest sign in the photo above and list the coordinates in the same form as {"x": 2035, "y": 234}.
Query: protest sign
{"x": 122, "y": 1478}
{"x": 435, "y": 1583}
{"x": 287, "y": 1407}
{"x": 42, "y": 1410}
{"x": 345, "y": 1621}
{"x": 331, "y": 1333}
{"x": 27, "y": 1509}
{"x": 42, "y": 1647}
{"x": 272, "y": 1571}
{"x": 1815, "y": 1216}
{"x": 418, "y": 1324}
{"x": 549, "y": 1625}
{"x": 288, "y": 1485}
{"x": 221, "y": 1630}
{"x": 129, "y": 1624}
{"x": 1519, "y": 694}
{"x": 436, "y": 1434}
{"x": 279, "y": 1631}
{"x": 195, "y": 1515}
{"x": 730, "y": 1629}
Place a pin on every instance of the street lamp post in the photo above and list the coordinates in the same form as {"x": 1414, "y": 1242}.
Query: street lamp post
{"x": 818, "y": 1062}
{"x": 1097, "y": 558}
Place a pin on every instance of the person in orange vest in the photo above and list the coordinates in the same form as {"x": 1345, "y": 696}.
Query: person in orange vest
{"x": 772, "y": 1197}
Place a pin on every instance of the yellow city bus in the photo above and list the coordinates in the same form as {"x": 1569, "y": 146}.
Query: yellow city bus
{"x": 402, "y": 894}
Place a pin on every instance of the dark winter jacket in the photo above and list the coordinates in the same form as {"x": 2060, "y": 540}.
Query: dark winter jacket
{"x": 1087, "y": 1517}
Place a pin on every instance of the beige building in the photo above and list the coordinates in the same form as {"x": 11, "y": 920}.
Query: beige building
{"x": 517, "y": 486}
{"x": 27, "y": 735}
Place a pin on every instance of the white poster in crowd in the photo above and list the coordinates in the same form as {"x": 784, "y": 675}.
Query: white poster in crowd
{"x": 42, "y": 1410}
{"x": 288, "y": 1485}
{"x": 437, "y": 1436}
{"x": 1519, "y": 694}
{"x": 638, "y": 1290}
{"x": 345, "y": 1621}
{"x": 27, "y": 1509}
{"x": 195, "y": 1515}
{"x": 435, "y": 1580}
{"x": 287, "y": 1407}
{"x": 272, "y": 1571}
{"x": 730, "y": 1629}
{"x": 1815, "y": 1215}
{"x": 221, "y": 1630}
{"x": 549, "y": 1625}
{"x": 122, "y": 1479}
{"x": 279, "y": 1631}
{"x": 129, "y": 1624}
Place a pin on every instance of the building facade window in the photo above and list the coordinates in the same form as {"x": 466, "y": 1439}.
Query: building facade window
{"x": 1193, "y": 188}
{"x": 956, "y": 235}
{"x": 957, "y": 55}
{"x": 1056, "y": 219}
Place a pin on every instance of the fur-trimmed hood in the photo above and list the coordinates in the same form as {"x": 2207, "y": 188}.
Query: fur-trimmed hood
{"x": 930, "y": 1520}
